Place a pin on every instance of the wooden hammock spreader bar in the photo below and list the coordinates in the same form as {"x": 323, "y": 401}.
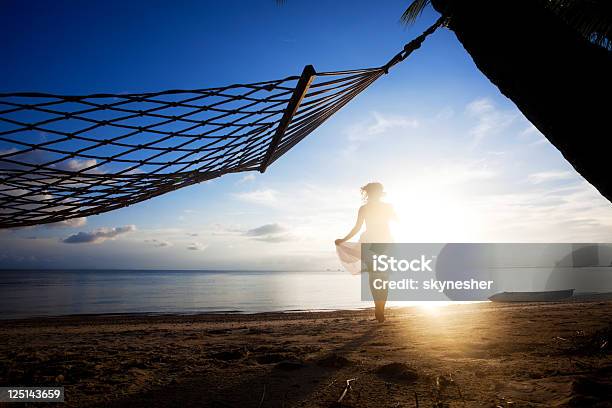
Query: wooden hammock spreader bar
{"x": 308, "y": 74}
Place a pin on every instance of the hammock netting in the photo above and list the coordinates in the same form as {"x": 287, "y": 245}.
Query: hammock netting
{"x": 63, "y": 157}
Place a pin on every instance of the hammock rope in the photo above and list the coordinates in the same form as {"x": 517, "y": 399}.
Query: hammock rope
{"x": 64, "y": 157}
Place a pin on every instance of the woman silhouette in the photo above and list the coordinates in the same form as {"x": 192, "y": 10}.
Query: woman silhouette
{"x": 377, "y": 216}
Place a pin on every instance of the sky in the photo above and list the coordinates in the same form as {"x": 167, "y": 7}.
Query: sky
{"x": 458, "y": 160}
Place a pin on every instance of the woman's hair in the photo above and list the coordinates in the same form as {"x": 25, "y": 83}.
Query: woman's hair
{"x": 372, "y": 191}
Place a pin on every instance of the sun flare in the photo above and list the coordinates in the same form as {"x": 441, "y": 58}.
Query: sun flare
{"x": 444, "y": 215}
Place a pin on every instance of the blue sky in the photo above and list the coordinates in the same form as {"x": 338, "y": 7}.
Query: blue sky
{"x": 458, "y": 160}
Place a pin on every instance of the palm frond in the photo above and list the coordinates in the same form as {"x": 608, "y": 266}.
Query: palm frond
{"x": 414, "y": 10}
{"x": 591, "y": 18}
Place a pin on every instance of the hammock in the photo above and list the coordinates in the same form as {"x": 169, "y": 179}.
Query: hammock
{"x": 63, "y": 157}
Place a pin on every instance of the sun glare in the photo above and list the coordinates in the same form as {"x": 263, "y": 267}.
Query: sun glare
{"x": 432, "y": 308}
{"x": 433, "y": 214}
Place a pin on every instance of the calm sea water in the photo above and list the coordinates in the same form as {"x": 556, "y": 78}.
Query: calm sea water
{"x": 26, "y": 293}
{"x": 65, "y": 292}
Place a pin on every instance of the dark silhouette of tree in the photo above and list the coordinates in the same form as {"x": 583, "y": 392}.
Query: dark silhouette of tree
{"x": 552, "y": 58}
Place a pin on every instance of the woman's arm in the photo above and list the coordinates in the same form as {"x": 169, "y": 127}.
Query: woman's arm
{"x": 355, "y": 229}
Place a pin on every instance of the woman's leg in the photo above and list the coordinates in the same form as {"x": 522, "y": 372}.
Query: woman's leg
{"x": 379, "y": 292}
{"x": 379, "y": 295}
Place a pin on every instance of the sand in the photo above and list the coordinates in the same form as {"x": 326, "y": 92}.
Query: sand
{"x": 478, "y": 355}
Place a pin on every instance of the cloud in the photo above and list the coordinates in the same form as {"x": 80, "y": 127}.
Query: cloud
{"x": 158, "y": 243}
{"x": 269, "y": 233}
{"x": 265, "y": 230}
{"x": 37, "y": 156}
{"x": 458, "y": 172}
{"x": 572, "y": 212}
{"x": 381, "y": 124}
{"x": 532, "y": 133}
{"x": 539, "y": 142}
{"x": 489, "y": 119}
{"x": 546, "y": 176}
{"x": 197, "y": 246}
{"x": 98, "y": 235}
{"x": 530, "y": 130}
{"x": 246, "y": 179}
{"x": 77, "y": 165}
{"x": 261, "y": 197}
{"x": 479, "y": 107}
{"x": 274, "y": 238}
{"x": 17, "y": 157}
{"x": 71, "y": 223}
{"x": 374, "y": 127}
{"x": 221, "y": 229}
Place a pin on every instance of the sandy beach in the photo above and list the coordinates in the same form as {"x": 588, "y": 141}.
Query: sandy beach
{"x": 478, "y": 355}
{"x": 210, "y": 204}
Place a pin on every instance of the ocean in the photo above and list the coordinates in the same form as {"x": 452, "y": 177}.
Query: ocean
{"x": 31, "y": 293}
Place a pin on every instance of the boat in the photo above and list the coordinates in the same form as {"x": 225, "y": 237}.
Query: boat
{"x": 547, "y": 296}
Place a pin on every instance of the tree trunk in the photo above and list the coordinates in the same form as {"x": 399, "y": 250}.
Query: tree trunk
{"x": 560, "y": 81}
